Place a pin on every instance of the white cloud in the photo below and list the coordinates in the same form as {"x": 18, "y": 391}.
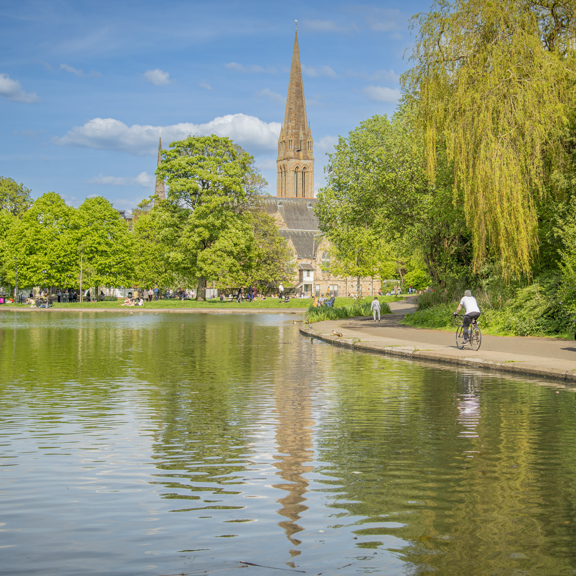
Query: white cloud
{"x": 320, "y": 71}
{"x": 382, "y": 94}
{"x": 388, "y": 76}
{"x": 266, "y": 164}
{"x": 328, "y": 26}
{"x": 205, "y": 85}
{"x": 274, "y": 96}
{"x": 255, "y": 68}
{"x": 78, "y": 72}
{"x": 110, "y": 134}
{"x": 143, "y": 179}
{"x": 157, "y": 77}
{"x": 326, "y": 144}
{"x": 385, "y": 20}
{"x": 12, "y": 89}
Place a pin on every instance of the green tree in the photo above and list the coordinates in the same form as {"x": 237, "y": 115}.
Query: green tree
{"x": 156, "y": 235}
{"x": 274, "y": 262}
{"x": 44, "y": 240}
{"x": 493, "y": 83}
{"x": 105, "y": 244}
{"x": 14, "y": 198}
{"x": 378, "y": 198}
{"x": 208, "y": 180}
{"x": 7, "y": 220}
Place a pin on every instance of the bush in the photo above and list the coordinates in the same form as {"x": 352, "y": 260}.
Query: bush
{"x": 540, "y": 309}
{"x": 358, "y": 308}
{"x": 417, "y": 279}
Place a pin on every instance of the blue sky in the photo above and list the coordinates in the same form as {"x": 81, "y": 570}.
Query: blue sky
{"x": 86, "y": 86}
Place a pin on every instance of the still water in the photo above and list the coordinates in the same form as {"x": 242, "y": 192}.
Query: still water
{"x": 156, "y": 444}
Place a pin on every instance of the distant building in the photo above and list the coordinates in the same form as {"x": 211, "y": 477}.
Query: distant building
{"x": 293, "y": 206}
{"x": 159, "y": 189}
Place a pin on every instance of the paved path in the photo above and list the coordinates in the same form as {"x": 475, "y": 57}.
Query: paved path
{"x": 543, "y": 357}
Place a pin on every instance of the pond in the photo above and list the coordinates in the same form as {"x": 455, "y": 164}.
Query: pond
{"x": 162, "y": 444}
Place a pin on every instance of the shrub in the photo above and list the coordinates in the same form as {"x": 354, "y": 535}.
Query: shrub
{"x": 358, "y": 308}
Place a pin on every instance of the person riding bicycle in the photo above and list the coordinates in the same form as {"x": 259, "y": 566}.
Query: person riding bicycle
{"x": 472, "y": 311}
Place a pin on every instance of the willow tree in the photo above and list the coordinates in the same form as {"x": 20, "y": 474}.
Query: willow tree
{"x": 493, "y": 82}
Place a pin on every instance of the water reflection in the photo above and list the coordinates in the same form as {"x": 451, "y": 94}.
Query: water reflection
{"x": 294, "y": 445}
{"x": 169, "y": 444}
{"x": 469, "y": 405}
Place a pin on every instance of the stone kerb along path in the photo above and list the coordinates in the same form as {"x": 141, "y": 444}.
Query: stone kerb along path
{"x": 542, "y": 357}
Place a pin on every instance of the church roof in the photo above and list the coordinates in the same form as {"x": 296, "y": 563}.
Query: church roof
{"x": 304, "y": 242}
{"x": 298, "y": 213}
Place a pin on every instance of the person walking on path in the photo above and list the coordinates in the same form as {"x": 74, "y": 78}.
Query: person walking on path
{"x": 250, "y": 293}
{"x": 280, "y": 291}
{"x": 472, "y": 311}
{"x": 375, "y": 308}
{"x": 156, "y": 290}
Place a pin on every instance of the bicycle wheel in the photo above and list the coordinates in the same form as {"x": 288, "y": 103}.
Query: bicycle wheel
{"x": 460, "y": 343}
{"x": 475, "y": 338}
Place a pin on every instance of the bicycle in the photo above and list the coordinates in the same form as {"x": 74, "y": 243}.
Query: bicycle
{"x": 474, "y": 334}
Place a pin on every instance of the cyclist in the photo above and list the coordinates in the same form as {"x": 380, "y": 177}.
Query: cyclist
{"x": 472, "y": 311}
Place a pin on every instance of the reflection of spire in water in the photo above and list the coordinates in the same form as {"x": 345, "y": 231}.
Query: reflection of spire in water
{"x": 469, "y": 406}
{"x": 294, "y": 441}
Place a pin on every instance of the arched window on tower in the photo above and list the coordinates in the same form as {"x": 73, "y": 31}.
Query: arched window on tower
{"x": 303, "y": 184}
{"x": 296, "y": 183}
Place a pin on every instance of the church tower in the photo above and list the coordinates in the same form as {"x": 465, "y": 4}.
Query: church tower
{"x": 295, "y": 164}
{"x": 160, "y": 191}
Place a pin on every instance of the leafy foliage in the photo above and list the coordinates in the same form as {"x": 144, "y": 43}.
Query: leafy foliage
{"x": 14, "y": 198}
{"x": 357, "y": 308}
{"x": 493, "y": 82}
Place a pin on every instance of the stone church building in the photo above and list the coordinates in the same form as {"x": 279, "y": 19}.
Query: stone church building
{"x": 293, "y": 205}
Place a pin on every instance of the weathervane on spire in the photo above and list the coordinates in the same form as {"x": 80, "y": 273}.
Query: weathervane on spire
{"x": 296, "y": 24}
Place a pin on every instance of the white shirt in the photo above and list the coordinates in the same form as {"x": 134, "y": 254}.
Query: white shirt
{"x": 375, "y": 305}
{"x": 470, "y": 304}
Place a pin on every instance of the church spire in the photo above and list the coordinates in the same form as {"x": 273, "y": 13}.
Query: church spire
{"x": 295, "y": 164}
{"x": 159, "y": 190}
{"x": 295, "y": 115}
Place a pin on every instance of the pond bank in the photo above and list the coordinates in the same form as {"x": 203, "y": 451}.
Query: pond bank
{"x": 142, "y": 310}
{"x": 542, "y": 357}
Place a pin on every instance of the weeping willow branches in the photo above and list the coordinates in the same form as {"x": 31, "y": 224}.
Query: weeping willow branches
{"x": 492, "y": 82}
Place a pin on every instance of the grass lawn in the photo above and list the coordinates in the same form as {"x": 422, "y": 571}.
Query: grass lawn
{"x": 302, "y": 303}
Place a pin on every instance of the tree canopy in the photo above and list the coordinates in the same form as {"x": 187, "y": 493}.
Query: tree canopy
{"x": 14, "y": 198}
{"x": 492, "y": 84}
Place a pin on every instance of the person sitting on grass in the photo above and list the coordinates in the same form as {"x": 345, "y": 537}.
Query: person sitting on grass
{"x": 127, "y": 302}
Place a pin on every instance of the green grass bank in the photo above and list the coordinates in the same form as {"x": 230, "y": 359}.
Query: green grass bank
{"x": 535, "y": 310}
{"x": 213, "y": 304}
{"x": 348, "y": 308}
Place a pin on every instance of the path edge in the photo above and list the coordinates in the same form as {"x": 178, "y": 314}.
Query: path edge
{"x": 415, "y": 354}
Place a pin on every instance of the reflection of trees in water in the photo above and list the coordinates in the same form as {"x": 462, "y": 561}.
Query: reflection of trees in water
{"x": 491, "y": 501}
{"x": 203, "y": 398}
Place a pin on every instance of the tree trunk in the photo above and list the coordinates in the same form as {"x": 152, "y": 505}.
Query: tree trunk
{"x": 358, "y": 287}
{"x": 201, "y": 289}
{"x": 81, "y": 295}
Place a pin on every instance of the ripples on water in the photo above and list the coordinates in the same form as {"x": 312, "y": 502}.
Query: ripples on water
{"x": 168, "y": 444}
